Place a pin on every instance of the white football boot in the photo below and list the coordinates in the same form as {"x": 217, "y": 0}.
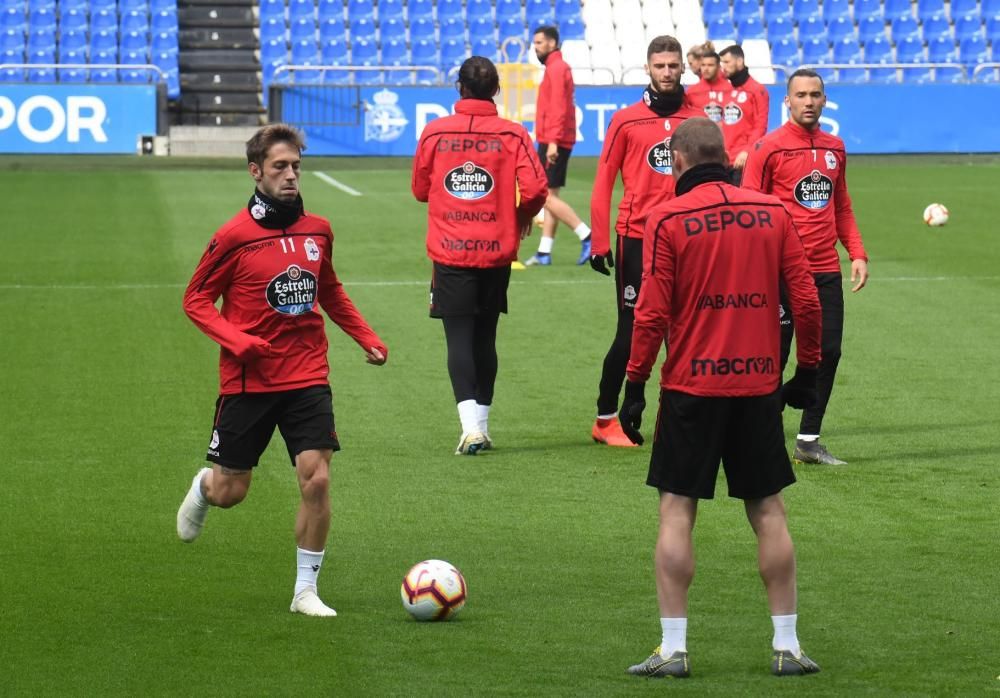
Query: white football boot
{"x": 308, "y": 603}
{"x": 191, "y": 515}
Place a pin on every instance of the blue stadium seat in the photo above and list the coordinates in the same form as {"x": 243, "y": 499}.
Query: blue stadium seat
{"x": 841, "y": 28}
{"x": 836, "y": 9}
{"x": 301, "y": 9}
{"x": 73, "y": 19}
{"x": 452, "y": 28}
{"x": 273, "y": 28}
{"x": 453, "y": 53}
{"x": 905, "y": 28}
{"x": 815, "y": 52}
{"x": 483, "y": 28}
{"x": 103, "y": 42}
{"x": 103, "y": 20}
{"x": 936, "y": 26}
{"x": 12, "y": 74}
{"x": 99, "y": 5}
{"x": 425, "y": 52}
{"x": 449, "y": 9}
{"x": 132, "y": 41}
{"x": 360, "y": 8}
{"x": 538, "y": 12}
{"x": 780, "y": 28}
{"x": 972, "y": 51}
{"x": 911, "y": 50}
{"x": 964, "y": 7}
{"x": 511, "y": 28}
{"x": 134, "y": 21}
{"x": 420, "y": 9}
{"x": 37, "y": 4}
{"x": 863, "y": 9}
{"x": 744, "y": 9}
{"x": 785, "y": 52}
{"x": 721, "y": 28}
{"x": 944, "y": 50}
{"x": 332, "y": 9}
{"x": 487, "y": 49}
{"x": 83, "y": 5}
{"x": 713, "y": 10}
{"x": 166, "y": 42}
{"x": 507, "y": 10}
{"x": 929, "y": 8}
{"x": 804, "y": 9}
{"x": 870, "y": 29}
{"x": 387, "y": 9}
{"x": 993, "y": 31}
{"x": 42, "y": 19}
{"x": 129, "y": 5}
{"x": 564, "y": 10}
{"x": 73, "y": 74}
{"x": 12, "y": 40}
{"x": 395, "y": 52}
{"x": 333, "y": 27}
{"x": 391, "y": 30}
{"x": 41, "y": 40}
{"x": 897, "y": 8}
{"x": 167, "y": 62}
{"x": 422, "y": 29}
{"x": 811, "y": 28}
{"x": 880, "y": 51}
{"x": 572, "y": 29}
{"x": 134, "y": 75}
{"x": 365, "y": 53}
{"x": 42, "y": 74}
{"x": 163, "y": 21}
{"x": 750, "y": 28}
{"x": 73, "y": 40}
{"x": 304, "y": 52}
{"x": 270, "y": 51}
{"x": 303, "y": 29}
{"x": 847, "y": 50}
{"x": 362, "y": 28}
{"x": 968, "y": 26}
{"x": 272, "y": 8}
{"x": 334, "y": 52}
{"x": 776, "y": 9}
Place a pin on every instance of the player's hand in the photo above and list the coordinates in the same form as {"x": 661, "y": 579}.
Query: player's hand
{"x": 741, "y": 160}
{"x": 800, "y": 391}
{"x": 376, "y": 357}
{"x": 255, "y": 348}
{"x": 630, "y": 414}
{"x": 598, "y": 261}
{"x": 859, "y": 274}
{"x": 552, "y": 153}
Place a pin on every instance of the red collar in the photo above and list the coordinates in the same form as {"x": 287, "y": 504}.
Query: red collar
{"x": 476, "y": 107}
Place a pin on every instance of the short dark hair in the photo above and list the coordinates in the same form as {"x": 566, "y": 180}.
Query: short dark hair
{"x": 804, "y": 73}
{"x": 710, "y": 54}
{"x": 736, "y": 51}
{"x": 478, "y": 78}
{"x": 701, "y": 141}
{"x": 268, "y": 136}
{"x": 550, "y": 32}
{"x": 663, "y": 44}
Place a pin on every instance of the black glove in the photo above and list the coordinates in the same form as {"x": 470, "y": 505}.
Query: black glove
{"x": 630, "y": 414}
{"x": 597, "y": 262}
{"x": 800, "y": 391}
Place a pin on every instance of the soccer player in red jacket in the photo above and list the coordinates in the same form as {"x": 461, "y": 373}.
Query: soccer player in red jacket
{"x": 708, "y": 94}
{"x": 712, "y": 262}
{"x": 637, "y": 145}
{"x": 555, "y": 131}
{"x": 271, "y": 264}
{"x": 483, "y": 184}
{"x": 744, "y": 109}
{"x": 806, "y": 168}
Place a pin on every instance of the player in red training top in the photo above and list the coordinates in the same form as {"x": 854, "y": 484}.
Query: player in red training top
{"x": 708, "y": 94}
{"x": 637, "y": 144}
{"x": 555, "y": 131}
{"x": 712, "y": 263}
{"x": 483, "y": 184}
{"x": 744, "y": 109}
{"x": 271, "y": 264}
{"x": 806, "y": 168}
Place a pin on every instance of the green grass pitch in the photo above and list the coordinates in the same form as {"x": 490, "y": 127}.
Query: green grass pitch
{"x": 106, "y": 405}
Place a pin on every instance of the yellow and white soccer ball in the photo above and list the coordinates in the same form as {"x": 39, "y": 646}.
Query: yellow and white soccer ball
{"x": 936, "y": 215}
{"x": 433, "y": 590}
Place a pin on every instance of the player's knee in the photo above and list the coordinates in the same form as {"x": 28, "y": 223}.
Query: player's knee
{"x": 316, "y": 486}
{"x": 229, "y": 495}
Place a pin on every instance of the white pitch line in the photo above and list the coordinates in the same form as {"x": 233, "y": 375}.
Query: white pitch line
{"x": 339, "y": 185}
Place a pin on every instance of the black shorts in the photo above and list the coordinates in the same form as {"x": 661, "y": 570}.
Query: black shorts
{"x": 555, "y": 172}
{"x": 628, "y": 272}
{"x": 244, "y": 424}
{"x": 694, "y": 433}
{"x": 459, "y": 291}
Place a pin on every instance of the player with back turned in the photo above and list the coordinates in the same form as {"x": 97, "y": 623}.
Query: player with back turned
{"x": 272, "y": 263}
{"x": 637, "y": 145}
{"x": 806, "y": 168}
{"x": 712, "y": 263}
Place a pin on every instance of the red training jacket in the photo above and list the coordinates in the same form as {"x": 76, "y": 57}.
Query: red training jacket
{"x": 707, "y": 97}
{"x": 471, "y": 167}
{"x": 270, "y": 281}
{"x": 744, "y": 116}
{"x": 711, "y": 265}
{"x": 555, "y": 110}
{"x": 807, "y": 170}
{"x": 637, "y": 144}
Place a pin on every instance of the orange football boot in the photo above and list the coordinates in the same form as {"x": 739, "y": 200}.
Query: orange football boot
{"x": 609, "y": 432}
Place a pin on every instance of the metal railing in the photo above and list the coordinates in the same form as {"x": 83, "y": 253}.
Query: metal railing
{"x": 160, "y": 75}
{"x": 788, "y": 70}
{"x": 322, "y": 70}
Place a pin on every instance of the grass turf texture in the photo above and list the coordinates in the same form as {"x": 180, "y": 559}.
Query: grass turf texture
{"x": 108, "y": 396}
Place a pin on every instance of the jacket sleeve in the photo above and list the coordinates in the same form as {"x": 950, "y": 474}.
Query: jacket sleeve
{"x": 608, "y": 167}
{"x": 532, "y": 185}
{"x": 847, "y": 225}
{"x": 806, "y": 311}
{"x": 210, "y": 279}
{"x": 755, "y": 176}
{"x": 336, "y": 303}
{"x": 762, "y": 111}
{"x": 652, "y": 309}
{"x": 423, "y": 161}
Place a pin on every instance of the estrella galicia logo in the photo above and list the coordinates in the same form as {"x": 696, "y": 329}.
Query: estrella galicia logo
{"x": 468, "y": 182}
{"x": 737, "y": 366}
{"x": 814, "y": 190}
{"x": 713, "y": 110}
{"x": 659, "y": 157}
{"x": 732, "y": 114}
{"x": 293, "y": 291}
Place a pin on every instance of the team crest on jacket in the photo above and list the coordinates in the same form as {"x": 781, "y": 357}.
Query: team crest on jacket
{"x": 293, "y": 291}
{"x": 831, "y": 160}
{"x": 468, "y": 182}
{"x": 732, "y": 114}
{"x": 312, "y": 250}
{"x": 659, "y": 157}
{"x": 814, "y": 190}
{"x": 713, "y": 111}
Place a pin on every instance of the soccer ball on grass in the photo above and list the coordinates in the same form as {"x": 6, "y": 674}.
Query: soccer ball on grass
{"x": 935, "y": 215}
{"x": 433, "y": 590}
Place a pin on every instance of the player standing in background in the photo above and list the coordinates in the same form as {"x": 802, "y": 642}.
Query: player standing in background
{"x": 555, "y": 131}
{"x": 271, "y": 263}
{"x": 712, "y": 263}
{"x": 744, "y": 109}
{"x": 483, "y": 184}
{"x": 637, "y": 144}
{"x": 708, "y": 93}
{"x": 806, "y": 168}
{"x": 693, "y": 74}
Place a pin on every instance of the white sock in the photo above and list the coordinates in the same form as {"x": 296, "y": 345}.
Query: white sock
{"x": 674, "y": 636}
{"x": 784, "y": 634}
{"x": 468, "y": 413}
{"x": 545, "y": 245}
{"x": 808, "y": 437}
{"x": 199, "y": 495}
{"x": 582, "y": 231}
{"x": 607, "y": 416}
{"x": 484, "y": 417}
{"x": 308, "y": 568}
